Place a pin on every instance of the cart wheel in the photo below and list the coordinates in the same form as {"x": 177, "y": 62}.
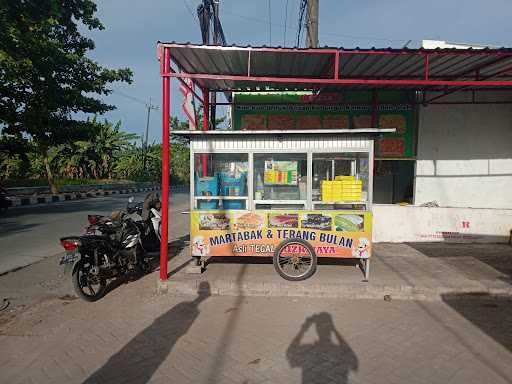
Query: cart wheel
{"x": 295, "y": 260}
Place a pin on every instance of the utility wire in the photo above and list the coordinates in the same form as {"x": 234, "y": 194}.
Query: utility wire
{"x": 187, "y": 5}
{"x": 302, "y": 8}
{"x": 270, "y": 21}
{"x": 306, "y": 29}
{"x": 295, "y": 29}
{"x": 137, "y": 100}
{"x": 285, "y": 20}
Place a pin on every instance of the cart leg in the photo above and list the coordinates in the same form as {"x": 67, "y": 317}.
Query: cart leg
{"x": 366, "y": 269}
{"x": 200, "y": 262}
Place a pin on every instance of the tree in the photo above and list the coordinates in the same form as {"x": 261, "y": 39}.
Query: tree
{"x": 105, "y": 139}
{"x": 46, "y": 77}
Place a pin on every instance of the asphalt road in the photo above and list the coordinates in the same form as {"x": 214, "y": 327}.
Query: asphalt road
{"x": 30, "y": 234}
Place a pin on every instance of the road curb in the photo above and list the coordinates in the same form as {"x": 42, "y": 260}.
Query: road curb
{"x": 333, "y": 291}
{"x": 69, "y": 196}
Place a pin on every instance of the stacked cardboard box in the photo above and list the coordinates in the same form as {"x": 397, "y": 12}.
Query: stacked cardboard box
{"x": 342, "y": 188}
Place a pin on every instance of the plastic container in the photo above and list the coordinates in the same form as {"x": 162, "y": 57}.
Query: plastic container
{"x": 207, "y": 186}
{"x": 343, "y": 188}
{"x": 232, "y": 186}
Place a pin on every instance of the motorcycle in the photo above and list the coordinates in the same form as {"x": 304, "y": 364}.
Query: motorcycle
{"x": 112, "y": 247}
{"x": 150, "y": 223}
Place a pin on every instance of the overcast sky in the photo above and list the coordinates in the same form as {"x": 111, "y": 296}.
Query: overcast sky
{"x": 132, "y": 29}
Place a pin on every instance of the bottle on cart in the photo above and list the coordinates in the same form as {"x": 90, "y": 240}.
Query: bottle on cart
{"x": 259, "y": 190}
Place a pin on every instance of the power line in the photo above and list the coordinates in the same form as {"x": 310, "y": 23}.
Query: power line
{"x": 270, "y": 22}
{"x": 285, "y": 20}
{"x": 133, "y": 98}
{"x": 295, "y": 29}
{"x": 302, "y": 8}
{"x": 187, "y": 5}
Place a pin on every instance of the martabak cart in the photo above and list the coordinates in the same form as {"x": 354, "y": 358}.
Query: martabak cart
{"x": 293, "y": 195}
{"x": 304, "y": 192}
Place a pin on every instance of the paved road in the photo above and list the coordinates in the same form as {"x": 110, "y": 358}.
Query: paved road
{"x": 30, "y": 234}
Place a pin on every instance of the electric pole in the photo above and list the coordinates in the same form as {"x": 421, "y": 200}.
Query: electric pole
{"x": 312, "y": 27}
{"x": 149, "y": 106}
{"x": 208, "y": 13}
{"x": 213, "y": 100}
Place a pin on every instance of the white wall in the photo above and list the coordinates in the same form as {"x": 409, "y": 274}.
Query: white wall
{"x": 395, "y": 223}
{"x": 465, "y": 154}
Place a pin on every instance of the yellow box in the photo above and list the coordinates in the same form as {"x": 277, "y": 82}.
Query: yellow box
{"x": 345, "y": 178}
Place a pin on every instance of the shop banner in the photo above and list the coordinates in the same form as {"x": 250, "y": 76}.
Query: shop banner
{"x": 262, "y": 111}
{"x": 341, "y": 234}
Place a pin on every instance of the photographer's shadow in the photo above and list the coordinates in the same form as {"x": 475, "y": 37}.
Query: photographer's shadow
{"x": 330, "y": 348}
{"x": 138, "y": 360}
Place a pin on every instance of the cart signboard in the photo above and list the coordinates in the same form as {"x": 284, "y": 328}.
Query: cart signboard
{"x": 341, "y": 234}
{"x": 297, "y": 110}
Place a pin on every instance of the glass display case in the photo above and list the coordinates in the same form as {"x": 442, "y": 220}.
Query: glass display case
{"x": 280, "y": 180}
{"x": 340, "y": 179}
{"x": 220, "y": 180}
{"x": 286, "y": 180}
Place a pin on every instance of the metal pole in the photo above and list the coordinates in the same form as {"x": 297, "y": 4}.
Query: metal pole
{"x": 166, "y": 110}
{"x": 213, "y": 108}
{"x": 145, "y": 146}
{"x": 147, "y": 123}
{"x": 206, "y": 107}
{"x": 312, "y": 23}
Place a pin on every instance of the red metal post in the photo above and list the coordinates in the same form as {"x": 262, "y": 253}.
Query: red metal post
{"x": 166, "y": 110}
{"x": 426, "y": 67}
{"x": 342, "y": 81}
{"x": 336, "y": 64}
{"x": 206, "y": 121}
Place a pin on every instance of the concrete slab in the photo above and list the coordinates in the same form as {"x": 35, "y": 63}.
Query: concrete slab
{"x": 403, "y": 271}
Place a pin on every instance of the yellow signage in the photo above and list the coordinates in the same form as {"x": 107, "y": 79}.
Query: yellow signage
{"x": 341, "y": 234}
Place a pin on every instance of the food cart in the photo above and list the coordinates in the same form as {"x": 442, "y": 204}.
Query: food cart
{"x": 294, "y": 195}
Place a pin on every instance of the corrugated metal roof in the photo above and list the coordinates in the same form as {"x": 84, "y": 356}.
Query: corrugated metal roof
{"x": 358, "y": 64}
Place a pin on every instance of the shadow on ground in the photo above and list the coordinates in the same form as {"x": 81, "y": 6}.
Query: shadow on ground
{"x": 138, "y": 360}
{"x": 492, "y": 315}
{"x": 10, "y": 227}
{"x": 496, "y": 256}
{"x": 174, "y": 249}
{"x": 308, "y": 356}
{"x": 268, "y": 260}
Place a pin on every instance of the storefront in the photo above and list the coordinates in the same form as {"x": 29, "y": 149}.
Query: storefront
{"x": 395, "y": 153}
{"x": 341, "y": 89}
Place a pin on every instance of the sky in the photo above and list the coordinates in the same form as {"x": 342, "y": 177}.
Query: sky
{"x": 132, "y": 29}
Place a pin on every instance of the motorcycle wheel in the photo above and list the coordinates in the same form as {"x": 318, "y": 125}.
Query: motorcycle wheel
{"x": 295, "y": 260}
{"x": 88, "y": 286}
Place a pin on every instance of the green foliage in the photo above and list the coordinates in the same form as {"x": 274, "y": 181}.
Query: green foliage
{"x": 104, "y": 152}
{"x": 45, "y": 75}
{"x": 130, "y": 163}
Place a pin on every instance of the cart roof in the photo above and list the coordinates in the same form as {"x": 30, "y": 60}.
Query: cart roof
{"x": 246, "y": 68}
{"x": 273, "y": 132}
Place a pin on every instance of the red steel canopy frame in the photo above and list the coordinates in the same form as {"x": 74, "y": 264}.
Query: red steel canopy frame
{"x": 227, "y": 69}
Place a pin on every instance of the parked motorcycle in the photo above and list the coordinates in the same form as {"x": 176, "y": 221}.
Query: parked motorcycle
{"x": 113, "y": 247}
